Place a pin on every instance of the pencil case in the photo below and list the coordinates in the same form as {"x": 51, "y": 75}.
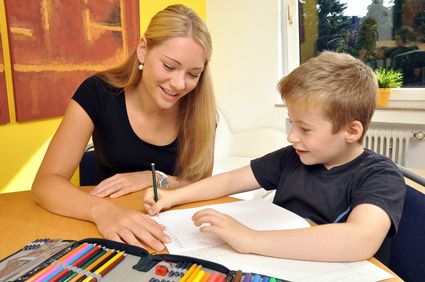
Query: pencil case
{"x": 96, "y": 259}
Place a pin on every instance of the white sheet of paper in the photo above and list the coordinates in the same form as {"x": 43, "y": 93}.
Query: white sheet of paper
{"x": 258, "y": 214}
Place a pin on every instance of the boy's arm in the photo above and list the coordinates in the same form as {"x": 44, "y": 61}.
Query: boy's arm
{"x": 235, "y": 181}
{"x": 357, "y": 239}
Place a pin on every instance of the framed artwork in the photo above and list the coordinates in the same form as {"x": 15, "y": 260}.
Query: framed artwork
{"x": 56, "y": 44}
{"x": 4, "y": 108}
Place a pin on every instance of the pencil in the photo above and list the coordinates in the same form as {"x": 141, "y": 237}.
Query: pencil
{"x": 48, "y": 268}
{"x": 109, "y": 262}
{"x": 188, "y": 272}
{"x": 195, "y": 272}
{"x": 238, "y": 276}
{"x": 206, "y": 277}
{"x": 198, "y": 276}
{"x": 155, "y": 189}
{"x": 112, "y": 265}
{"x": 91, "y": 265}
{"x": 101, "y": 261}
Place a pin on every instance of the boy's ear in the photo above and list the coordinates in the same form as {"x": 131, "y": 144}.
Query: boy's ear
{"x": 141, "y": 50}
{"x": 354, "y": 131}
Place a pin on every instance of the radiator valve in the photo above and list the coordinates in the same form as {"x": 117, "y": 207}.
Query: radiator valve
{"x": 419, "y": 135}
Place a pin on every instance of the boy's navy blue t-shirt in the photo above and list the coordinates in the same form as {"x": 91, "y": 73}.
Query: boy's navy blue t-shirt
{"x": 118, "y": 149}
{"x": 328, "y": 196}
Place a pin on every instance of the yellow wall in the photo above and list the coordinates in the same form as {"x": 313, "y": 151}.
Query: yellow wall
{"x": 23, "y": 144}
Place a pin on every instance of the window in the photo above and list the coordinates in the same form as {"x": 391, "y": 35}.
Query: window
{"x": 382, "y": 33}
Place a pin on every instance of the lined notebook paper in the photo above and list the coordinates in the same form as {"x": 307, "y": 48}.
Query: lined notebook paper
{"x": 258, "y": 214}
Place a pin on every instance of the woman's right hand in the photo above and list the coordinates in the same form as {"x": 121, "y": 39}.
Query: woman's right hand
{"x": 165, "y": 201}
{"x": 122, "y": 184}
{"x": 129, "y": 226}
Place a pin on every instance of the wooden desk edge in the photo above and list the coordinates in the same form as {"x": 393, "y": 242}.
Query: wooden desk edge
{"x": 92, "y": 229}
{"x": 412, "y": 183}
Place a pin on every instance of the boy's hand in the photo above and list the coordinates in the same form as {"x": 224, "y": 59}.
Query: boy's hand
{"x": 164, "y": 201}
{"x": 226, "y": 228}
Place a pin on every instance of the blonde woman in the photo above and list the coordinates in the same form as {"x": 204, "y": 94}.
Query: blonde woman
{"x": 158, "y": 107}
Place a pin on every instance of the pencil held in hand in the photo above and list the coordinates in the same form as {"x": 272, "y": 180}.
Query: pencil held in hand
{"x": 155, "y": 188}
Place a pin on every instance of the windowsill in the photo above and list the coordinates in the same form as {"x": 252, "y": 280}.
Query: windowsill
{"x": 405, "y": 107}
{"x": 401, "y": 99}
{"x": 406, "y": 99}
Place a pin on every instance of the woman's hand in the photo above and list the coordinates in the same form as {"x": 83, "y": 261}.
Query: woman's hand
{"x": 123, "y": 183}
{"x": 129, "y": 226}
{"x": 165, "y": 201}
{"x": 226, "y": 228}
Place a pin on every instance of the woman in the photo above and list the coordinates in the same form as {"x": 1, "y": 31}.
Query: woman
{"x": 158, "y": 107}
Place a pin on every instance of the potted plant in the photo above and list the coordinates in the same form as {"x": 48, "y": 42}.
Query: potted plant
{"x": 387, "y": 78}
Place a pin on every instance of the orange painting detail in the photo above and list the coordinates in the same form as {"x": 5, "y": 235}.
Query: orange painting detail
{"x": 56, "y": 44}
{"x": 4, "y": 108}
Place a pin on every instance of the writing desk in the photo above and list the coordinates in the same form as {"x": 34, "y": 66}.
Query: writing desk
{"x": 23, "y": 221}
{"x": 413, "y": 184}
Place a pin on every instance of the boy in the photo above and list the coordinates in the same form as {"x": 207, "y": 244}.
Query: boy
{"x": 354, "y": 195}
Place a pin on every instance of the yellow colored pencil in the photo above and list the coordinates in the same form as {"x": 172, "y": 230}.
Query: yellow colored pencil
{"x": 95, "y": 263}
{"x": 87, "y": 279}
{"x": 188, "y": 272}
{"x": 109, "y": 262}
{"x": 199, "y": 276}
{"x": 194, "y": 273}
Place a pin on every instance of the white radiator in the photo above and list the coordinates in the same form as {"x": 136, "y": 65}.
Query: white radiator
{"x": 390, "y": 142}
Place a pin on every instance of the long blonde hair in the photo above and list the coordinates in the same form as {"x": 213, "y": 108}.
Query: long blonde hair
{"x": 197, "y": 110}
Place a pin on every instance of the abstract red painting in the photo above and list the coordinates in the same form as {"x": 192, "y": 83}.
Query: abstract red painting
{"x": 56, "y": 44}
{"x": 4, "y": 109}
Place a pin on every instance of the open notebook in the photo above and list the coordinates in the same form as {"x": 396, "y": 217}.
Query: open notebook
{"x": 258, "y": 214}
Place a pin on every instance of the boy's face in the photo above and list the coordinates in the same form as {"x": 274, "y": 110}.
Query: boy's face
{"x": 312, "y": 137}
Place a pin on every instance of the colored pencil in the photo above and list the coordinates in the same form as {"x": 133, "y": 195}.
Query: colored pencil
{"x": 86, "y": 264}
{"x": 44, "y": 270}
{"x": 188, "y": 272}
{"x": 220, "y": 278}
{"x": 60, "y": 275}
{"x": 77, "y": 263}
{"x": 214, "y": 277}
{"x": 96, "y": 264}
{"x": 109, "y": 262}
{"x": 102, "y": 260}
{"x": 101, "y": 252}
{"x": 198, "y": 276}
{"x": 69, "y": 276}
{"x": 247, "y": 277}
{"x": 112, "y": 265}
{"x": 206, "y": 277}
{"x": 69, "y": 261}
{"x": 257, "y": 278}
{"x": 238, "y": 276}
{"x": 194, "y": 273}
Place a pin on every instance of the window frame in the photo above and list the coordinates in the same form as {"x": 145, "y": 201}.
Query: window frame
{"x": 290, "y": 58}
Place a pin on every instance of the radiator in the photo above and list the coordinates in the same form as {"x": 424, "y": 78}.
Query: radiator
{"x": 390, "y": 142}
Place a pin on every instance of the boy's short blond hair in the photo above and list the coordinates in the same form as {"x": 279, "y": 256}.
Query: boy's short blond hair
{"x": 342, "y": 85}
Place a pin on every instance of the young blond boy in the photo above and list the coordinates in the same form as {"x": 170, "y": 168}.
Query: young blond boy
{"x": 354, "y": 195}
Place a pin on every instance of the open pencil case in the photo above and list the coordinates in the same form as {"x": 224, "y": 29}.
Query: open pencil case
{"x": 96, "y": 259}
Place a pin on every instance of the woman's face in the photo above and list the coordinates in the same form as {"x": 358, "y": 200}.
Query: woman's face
{"x": 171, "y": 69}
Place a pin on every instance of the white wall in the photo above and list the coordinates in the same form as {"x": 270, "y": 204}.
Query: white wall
{"x": 245, "y": 68}
{"x": 245, "y": 62}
